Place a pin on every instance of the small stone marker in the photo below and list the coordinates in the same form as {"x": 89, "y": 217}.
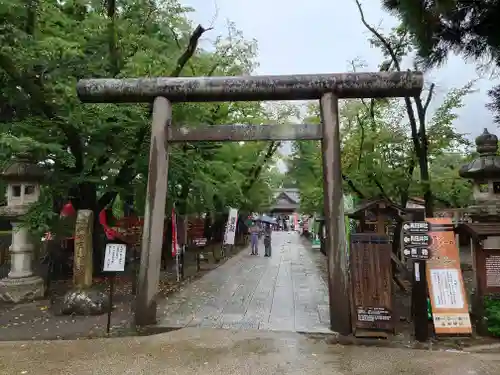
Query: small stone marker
{"x": 82, "y": 264}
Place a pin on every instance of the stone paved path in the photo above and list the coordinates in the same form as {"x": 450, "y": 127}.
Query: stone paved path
{"x": 281, "y": 293}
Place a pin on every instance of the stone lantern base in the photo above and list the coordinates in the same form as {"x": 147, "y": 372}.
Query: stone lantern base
{"x": 21, "y": 289}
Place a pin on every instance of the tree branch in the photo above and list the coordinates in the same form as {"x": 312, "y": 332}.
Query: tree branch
{"x": 353, "y": 187}
{"x": 379, "y": 36}
{"x": 190, "y": 50}
{"x": 419, "y": 137}
{"x": 127, "y": 171}
{"x": 38, "y": 101}
{"x": 429, "y": 97}
{"x": 362, "y": 140}
{"x": 114, "y": 53}
{"x": 32, "y": 9}
{"x": 374, "y": 179}
{"x": 257, "y": 167}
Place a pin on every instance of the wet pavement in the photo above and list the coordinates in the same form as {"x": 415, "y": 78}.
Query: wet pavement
{"x": 282, "y": 293}
{"x": 229, "y": 352}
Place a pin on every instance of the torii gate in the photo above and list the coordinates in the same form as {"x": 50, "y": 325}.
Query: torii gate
{"x": 328, "y": 88}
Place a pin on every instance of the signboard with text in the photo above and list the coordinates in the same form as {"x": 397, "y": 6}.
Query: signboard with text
{"x": 416, "y": 240}
{"x": 114, "y": 257}
{"x": 419, "y": 239}
{"x": 416, "y": 227}
{"x": 450, "y": 310}
{"x": 196, "y": 231}
{"x": 232, "y": 221}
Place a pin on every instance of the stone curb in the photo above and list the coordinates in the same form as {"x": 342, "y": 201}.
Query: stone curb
{"x": 488, "y": 348}
{"x": 336, "y": 339}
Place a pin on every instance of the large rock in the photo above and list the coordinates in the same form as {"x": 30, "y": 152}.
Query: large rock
{"x": 84, "y": 302}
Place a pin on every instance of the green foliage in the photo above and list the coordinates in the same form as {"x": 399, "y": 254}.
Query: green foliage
{"x": 41, "y": 219}
{"x": 438, "y": 28}
{"x": 378, "y": 158}
{"x": 96, "y": 152}
{"x": 492, "y": 315}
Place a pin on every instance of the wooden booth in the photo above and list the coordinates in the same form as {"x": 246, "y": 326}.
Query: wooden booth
{"x": 371, "y": 287}
{"x": 371, "y": 269}
{"x": 377, "y": 216}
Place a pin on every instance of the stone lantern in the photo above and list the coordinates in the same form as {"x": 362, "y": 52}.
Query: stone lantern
{"x": 23, "y": 178}
{"x": 484, "y": 173}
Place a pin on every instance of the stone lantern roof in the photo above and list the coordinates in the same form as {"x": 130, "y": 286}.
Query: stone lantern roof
{"x": 23, "y": 169}
{"x": 487, "y": 165}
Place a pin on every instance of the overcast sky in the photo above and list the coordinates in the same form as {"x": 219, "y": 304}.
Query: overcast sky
{"x": 322, "y": 36}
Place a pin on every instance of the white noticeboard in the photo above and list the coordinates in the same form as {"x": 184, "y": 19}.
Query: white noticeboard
{"x": 231, "y": 226}
{"x": 114, "y": 257}
{"x": 446, "y": 289}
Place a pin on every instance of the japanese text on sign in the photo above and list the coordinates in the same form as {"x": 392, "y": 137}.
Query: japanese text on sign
{"x": 416, "y": 226}
{"x": 114, "y": 257}
{"x": 231, "y": 226}
{"x": 416, "y": 239}
{"x": 416, "y": 252}
{"x": 446, "y": 289}
{"x": 373, "y": 314}
{"x": 452, "y": 320}
{"x": 492, "y": 271}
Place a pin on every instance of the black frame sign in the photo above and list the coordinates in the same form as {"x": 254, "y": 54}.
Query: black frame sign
{"x": 410, "y": 227}
{"x": 421, "y": 253}
{"x": 416, "y": 240}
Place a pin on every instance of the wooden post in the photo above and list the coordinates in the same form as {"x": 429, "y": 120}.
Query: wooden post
{"x": 335, "y": 242}
{"x": 154, "y": 215}
{"x": 419, "y": 300}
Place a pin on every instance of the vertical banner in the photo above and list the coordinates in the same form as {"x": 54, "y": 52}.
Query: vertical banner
{"x": 450, "y": 310}
{"x": 295, "y": 221}
{"x": 175, "y": 246}
{"x": 231, "y": 226}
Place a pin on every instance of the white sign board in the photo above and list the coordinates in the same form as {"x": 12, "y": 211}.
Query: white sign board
{"x": 232, "y": 220}
{"x": 446, "y": 289}
{"x": 114, "y": 257}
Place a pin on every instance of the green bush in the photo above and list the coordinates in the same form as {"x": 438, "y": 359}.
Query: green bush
{"x": 492, "y": 315}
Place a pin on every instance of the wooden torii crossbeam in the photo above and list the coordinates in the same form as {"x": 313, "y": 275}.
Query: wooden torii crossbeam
{"x": 327, "y": 88}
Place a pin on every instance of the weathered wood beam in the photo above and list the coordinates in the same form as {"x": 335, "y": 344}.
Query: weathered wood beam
{"x": 251, "y": 88}
{"x": 232, "y": 133}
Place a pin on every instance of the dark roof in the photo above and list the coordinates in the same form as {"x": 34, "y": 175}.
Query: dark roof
{"x": 292, "y": 198}
{"x": 292, "y": 194}
{"x": 478, "y": 231}
{"x": 487, "y": 164}
{"x": 370, "y": 204}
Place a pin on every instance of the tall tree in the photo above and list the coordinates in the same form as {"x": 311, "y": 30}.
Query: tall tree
{"x": 377, "y": 151}
{"x": 97, "y": 152}
{"x": 438, "y": 28}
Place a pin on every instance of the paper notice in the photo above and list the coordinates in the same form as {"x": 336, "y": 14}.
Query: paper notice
{"x": 446, "y": 289}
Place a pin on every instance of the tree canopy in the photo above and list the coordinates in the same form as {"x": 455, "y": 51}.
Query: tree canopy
{"x": 378, "y": 157}
{"x": 95, "y": 153}
{"x": 390, "y": 147}
{"x": 438, "y": 28}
